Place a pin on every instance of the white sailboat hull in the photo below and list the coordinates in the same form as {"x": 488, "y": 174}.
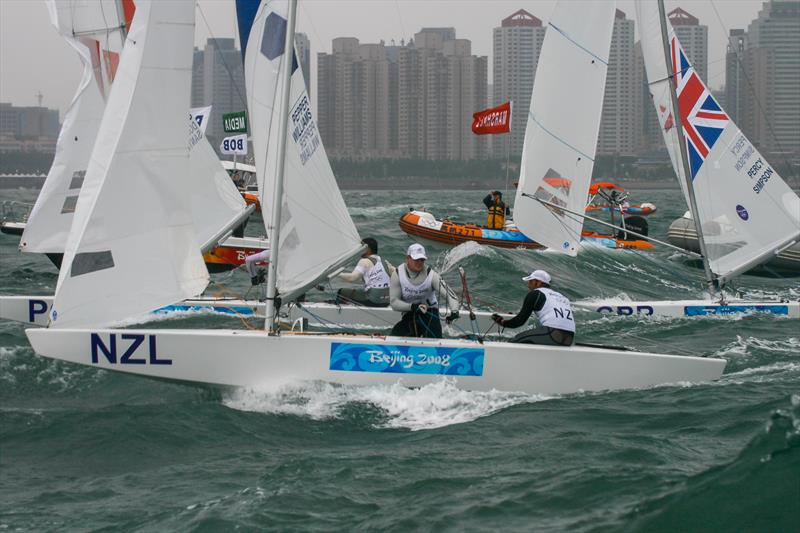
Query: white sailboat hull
{"x": 240, "y": 358}
{"x": 35, "y": 310}
{"x": 690, "y": 308}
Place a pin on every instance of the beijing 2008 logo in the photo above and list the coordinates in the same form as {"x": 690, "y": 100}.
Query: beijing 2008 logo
{"x": 742, "y": 212}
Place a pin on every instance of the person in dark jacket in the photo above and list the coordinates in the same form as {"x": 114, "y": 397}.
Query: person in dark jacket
{"x": 552, "y": 309}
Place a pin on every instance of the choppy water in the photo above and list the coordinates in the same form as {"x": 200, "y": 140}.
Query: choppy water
{"x": 82, "y": 449}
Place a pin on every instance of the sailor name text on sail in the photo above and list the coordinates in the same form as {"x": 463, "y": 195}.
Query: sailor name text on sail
{"x": 305, "y": 131}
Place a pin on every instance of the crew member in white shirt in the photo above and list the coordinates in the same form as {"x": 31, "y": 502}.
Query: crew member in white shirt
{"x": 414, "y": 290}
{"x": 374, "y": 273}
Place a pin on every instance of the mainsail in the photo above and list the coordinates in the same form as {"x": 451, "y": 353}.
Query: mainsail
{"x": 746, "y": 212}
{"x": 316, "y": 230}
{"x": 96, "y": 32}
{"x": 132, "y": 247}
{"x": 563, "y": 123}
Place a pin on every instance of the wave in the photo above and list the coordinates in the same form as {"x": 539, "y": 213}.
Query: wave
{"x": 757, "y": 491}
{"x": 435, "y": 405}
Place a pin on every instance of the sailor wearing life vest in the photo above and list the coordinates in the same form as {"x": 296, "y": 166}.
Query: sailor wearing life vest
{"x": 374, "y": 272}
{"x": 415, "y": 290}
{"x": 553, "y": 310}
{"x": 496, "y": 218}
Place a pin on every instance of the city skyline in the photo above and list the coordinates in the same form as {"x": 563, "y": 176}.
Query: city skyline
{"x": 22, "y": 76}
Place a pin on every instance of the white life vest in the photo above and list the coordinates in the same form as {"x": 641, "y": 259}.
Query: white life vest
{"x": 376, "y": 277}
{"x": 556, "y": 311}
{"x": 424, "y": 293}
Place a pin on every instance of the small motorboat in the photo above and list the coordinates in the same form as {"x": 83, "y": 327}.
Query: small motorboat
{"x": 425, "y": 226}
{"x": 606, "y": 197}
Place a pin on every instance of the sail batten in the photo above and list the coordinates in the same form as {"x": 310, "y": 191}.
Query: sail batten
{"x": 563, "y": 123}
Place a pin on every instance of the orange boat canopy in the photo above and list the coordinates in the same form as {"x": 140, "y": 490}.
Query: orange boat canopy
{"x": 603, "y": 185}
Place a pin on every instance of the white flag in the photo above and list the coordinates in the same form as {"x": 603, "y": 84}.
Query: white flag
{"x": 200, "y": 115}
{"x": 235, "y": 144}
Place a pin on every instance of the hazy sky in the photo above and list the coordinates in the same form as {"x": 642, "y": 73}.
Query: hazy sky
{"x": 34, "y": 58}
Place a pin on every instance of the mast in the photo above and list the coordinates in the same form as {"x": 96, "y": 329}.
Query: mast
{"x": 277, "y": 192}
{"x": 687, "y": 173}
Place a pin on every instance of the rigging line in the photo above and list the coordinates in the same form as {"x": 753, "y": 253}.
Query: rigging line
{"x": 222, "y": 56}
{"x": 556, "y": 137}
{"x": 399, "y": 17}
{"x": 740, "y": 63}
{"x": 576, "y": 43}
{"x": 311, "y": 22}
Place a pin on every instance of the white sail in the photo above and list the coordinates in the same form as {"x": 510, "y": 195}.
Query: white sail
{"x": 95, "y": 31}
{"x": 132, "y": 247}
{"x": 214, "y": 199}
{"x": 746, "y": 211}
{"x": 563, "y": 123}
{"x": 316, "y": 229}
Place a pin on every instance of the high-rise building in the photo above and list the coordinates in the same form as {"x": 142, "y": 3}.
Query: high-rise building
{"x": 354, "y": 99}
{"x": 734, "y": 74}
{"x": 771, "y": 105}
{"x": 218, "y": 81}
{"x": 516, "y": 46}
{"x": 412, "y": 101}
{"x": 693, "y": 37}
{"x": 617, "y": 125}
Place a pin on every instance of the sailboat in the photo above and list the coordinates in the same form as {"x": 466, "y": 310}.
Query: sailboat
{"x": 97, "y": 32}
{"x": 743, "y": 212}
{"x": 270, "y": 358}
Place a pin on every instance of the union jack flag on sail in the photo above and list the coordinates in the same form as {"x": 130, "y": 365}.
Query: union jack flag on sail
{"x": 702, "y": 118}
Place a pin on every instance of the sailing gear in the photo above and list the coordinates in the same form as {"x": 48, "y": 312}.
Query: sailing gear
{"x": 540, "y": 275}
{"x": 546, "y": 336}
{"x": 251, "y": 260}
{"x": 259, "y": 278}
{"x": 365, "y": 297}
{"x": 377, "y": 277}
{"x": 452, "y": 316}
{"x": 422, "y": 293}
{"x": 417, "y": 324}
{"x": 496, "y": 217}
{"x": 416, "y": 251}
{"x": 554, "y": 313}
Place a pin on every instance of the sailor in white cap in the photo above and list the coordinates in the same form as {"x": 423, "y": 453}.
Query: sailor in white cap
{"x": 414, "y": 290}
{"x": 553, "y": 310}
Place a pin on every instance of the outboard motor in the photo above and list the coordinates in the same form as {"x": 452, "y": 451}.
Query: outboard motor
{"x": 633, "y": 223}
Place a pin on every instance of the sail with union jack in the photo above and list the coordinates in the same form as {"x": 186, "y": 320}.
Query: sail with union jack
{"x": 744, "y": 207}
{"x": 702, "y": 117}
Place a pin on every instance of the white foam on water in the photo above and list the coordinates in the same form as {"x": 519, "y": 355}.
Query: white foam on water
{"x": 742, "y": 346}
{"x": 461, "y": 252}
{"x": 379, "y": 210}
{"x": 435, "y": 405}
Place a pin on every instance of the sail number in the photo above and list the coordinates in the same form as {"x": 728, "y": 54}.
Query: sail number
{"x": 136, "y": 352}
{"x": 233, "y": 144}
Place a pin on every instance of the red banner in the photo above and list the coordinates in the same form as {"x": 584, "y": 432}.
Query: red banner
{"x": 494, "y": 120}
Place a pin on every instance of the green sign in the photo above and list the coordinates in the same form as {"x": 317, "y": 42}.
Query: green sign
{"x": 234, "y": 122}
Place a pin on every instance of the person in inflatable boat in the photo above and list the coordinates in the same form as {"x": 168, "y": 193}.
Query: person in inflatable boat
{"x": 552, "y": 309}
{"x": 374, "y": 273}
{"x": 415, "y": 290}
{"x": 498, "y": 210}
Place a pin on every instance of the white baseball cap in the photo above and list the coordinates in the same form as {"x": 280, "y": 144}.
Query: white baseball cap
{"x": 540, "y": 275}
{"x": 416, "y": 251}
